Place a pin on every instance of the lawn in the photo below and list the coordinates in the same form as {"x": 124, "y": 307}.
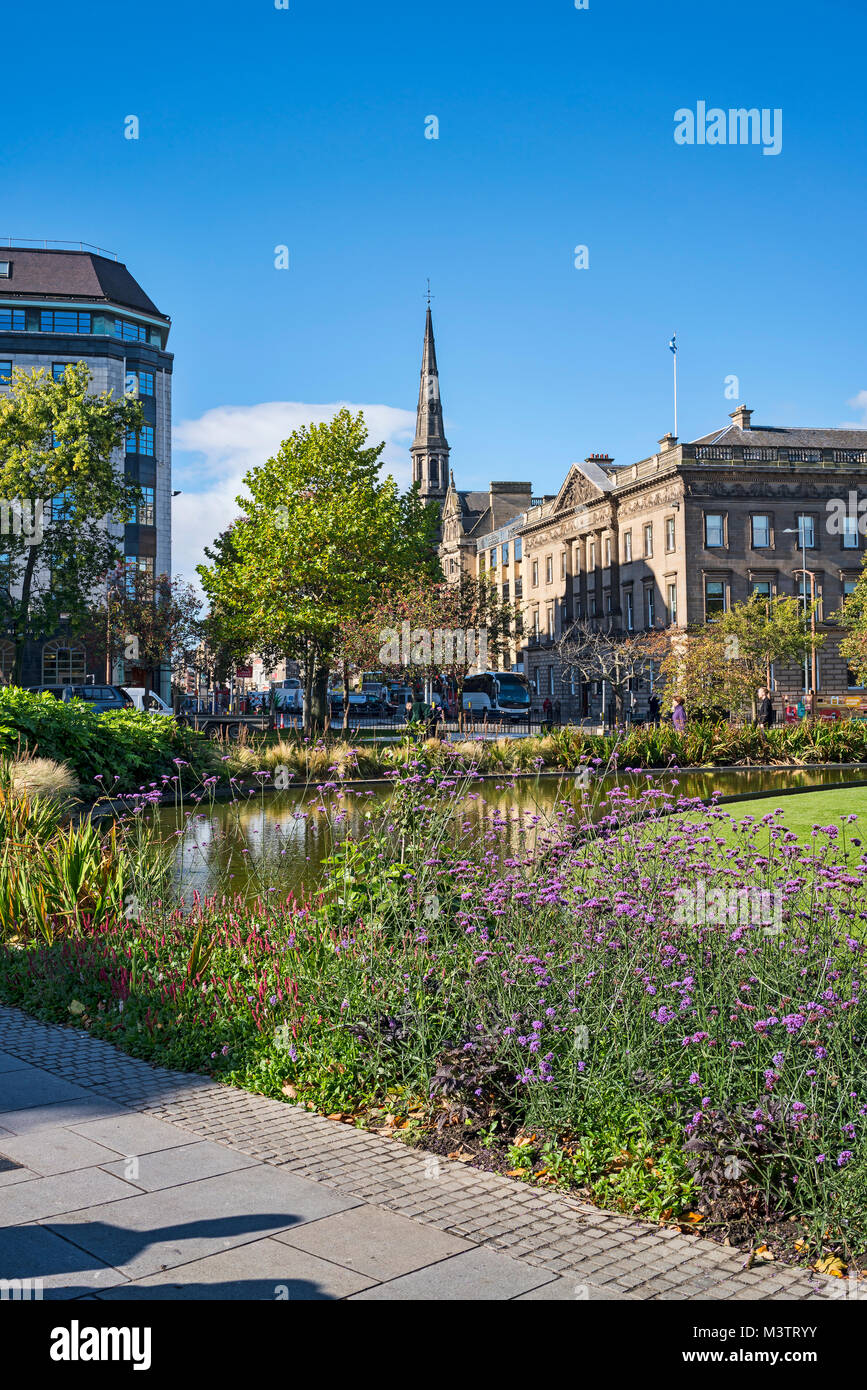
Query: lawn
{"x": 808, "y": 809}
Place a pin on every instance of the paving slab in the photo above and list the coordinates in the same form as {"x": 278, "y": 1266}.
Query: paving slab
{"x": 264, "y": 1269}
{"x": 33, "y": 1252}
{"x": 10, "y": 1063}
{"x": 67, "y": 1192}
{"x": 49, "y": 1116}
{"x": 58, "y": 1150}
{"x": 570, "y": 1289}
{"x": 181, "y": 1164}
{"x": 476, "y": 1275}
{"x": 375, "y": 1242}
{"x": 24, "y": 1089}
{"x": 129, "y": 1133}
{"x": 144, "y": 1234}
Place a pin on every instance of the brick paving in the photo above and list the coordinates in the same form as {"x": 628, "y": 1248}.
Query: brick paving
{"x": 156, "y": 1160}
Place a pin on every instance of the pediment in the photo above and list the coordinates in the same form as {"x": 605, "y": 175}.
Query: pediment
{"x": 577, "y": 491}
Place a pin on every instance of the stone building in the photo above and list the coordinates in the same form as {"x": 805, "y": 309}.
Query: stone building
{"x": 66, "y": 306}
{"x": 678, "y": 537}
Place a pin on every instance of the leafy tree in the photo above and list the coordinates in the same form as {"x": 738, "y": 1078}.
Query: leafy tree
{"x": 320, "y": 536}
{"x": 148, "y": 622}
{"x": 720, "y": 665}
{"x": 59, "y": 487}
{"x": 853, "y": 617}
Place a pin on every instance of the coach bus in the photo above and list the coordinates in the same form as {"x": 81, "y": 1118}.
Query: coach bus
{"x": 497, "y": 695}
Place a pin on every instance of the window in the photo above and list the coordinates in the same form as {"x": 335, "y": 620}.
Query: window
{"x": 714, "y": 598}
{"x": 852, "y": 680}
{"x": 591, "y": 604}
{"x": 806, "y": 531}
{"x": 63, "y": 663}
{"x": 64, "y": 321}
{"x": 649, "y": 614}
{"x": 505, "y": 587}
{"x": 627, "y": 547}
{"x": 504, "y": 553}
{"x": 144, "y": 512}
{"x": 671, "y": 600}
{"x": 141, "y": 443}
{"x": 12, "y": 319}
{"x": 5, "y": 373}
{"x": 850, "y": 523}
{"x": 536, "y": 623}
{"x": 5, "y": 270}
{"x": 144, "y": 381}
{"x": 141, "y": 567}
{"x": 132, "y": 332}
{"x": 549, "y": 619}
{"x": 591, "y": 555}
{"x": 517, "y": 547}
{"x": 550, "y": 671}
{"x": 763, "y": 587}
{"x": 648, "y": 540}
{"x": 761, "y": 531}
{"x": 630, "y": 614}
{"x": 61, "y": 507}
{"x": 607, "y": 560}
{"x": 669, "y": 533}
{"x": 58, "y": 369}
{"x": 535, "y": 573}
{"x": 848, "y": 587}
{"x": 493, "y": 557}
{"x": 481, "y": 562}
{"x": 607, "y": 600}
{"x": 714, "y": 530}
{"x": 562, "y": 564}
{"x": 549, "y": 569}
{"x": 7, "y": 658}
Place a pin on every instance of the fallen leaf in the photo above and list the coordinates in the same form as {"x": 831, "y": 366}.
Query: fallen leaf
{"x": 337, "y": 1116}
{"x": 76, "y": 1007}
{"x": 462, "y": 1156}
{"x": 831, "y": 1265}
{"x": 289, "y": 1091}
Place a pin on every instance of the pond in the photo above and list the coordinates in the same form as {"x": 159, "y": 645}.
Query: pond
{"x": 277, "y": 842}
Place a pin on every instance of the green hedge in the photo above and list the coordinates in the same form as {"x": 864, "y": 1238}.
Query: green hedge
{"x": 125, "y": 748}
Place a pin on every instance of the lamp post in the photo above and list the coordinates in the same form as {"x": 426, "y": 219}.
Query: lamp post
{"x": 809, "y": 662}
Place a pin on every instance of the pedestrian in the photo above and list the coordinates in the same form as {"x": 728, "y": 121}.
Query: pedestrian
{"x": 547, "y": 713}
{"x": 653, "y": 711}
{"x": 557, "y": 712}
{"x": 678, "y": 715}
{"x": 764, "y": 709}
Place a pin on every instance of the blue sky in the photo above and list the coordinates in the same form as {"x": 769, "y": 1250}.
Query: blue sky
{"x": 306, "y": 127}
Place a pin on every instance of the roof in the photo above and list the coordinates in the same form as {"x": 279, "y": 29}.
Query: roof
{"x": 787, "y": 437}
{"x": 73, "y": 275}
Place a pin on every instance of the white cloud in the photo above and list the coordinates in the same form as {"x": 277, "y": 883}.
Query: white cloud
{"x": 860, "y": 403}
{"x": 231, "y": 439}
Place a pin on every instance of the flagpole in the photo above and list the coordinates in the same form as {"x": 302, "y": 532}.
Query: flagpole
{"x": 674, "y": 354}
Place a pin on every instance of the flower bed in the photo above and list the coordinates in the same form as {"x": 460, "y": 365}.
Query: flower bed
{"x": 666, "y": 1017}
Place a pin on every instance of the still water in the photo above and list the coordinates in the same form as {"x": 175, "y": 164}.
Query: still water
{"x": 278, "y": 844}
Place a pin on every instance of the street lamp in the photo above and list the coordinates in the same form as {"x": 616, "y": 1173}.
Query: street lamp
{"x": 809, "y": 662}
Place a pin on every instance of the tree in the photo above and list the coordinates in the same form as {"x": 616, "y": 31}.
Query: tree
{"x": 719, "y": 666}
{"x": 611, "y": 655}
{"x": 853, "y": 617}
{"x": 59, "y": 487}
{"x": 431, "y": 630}
{"x": 148, "y": 622}
{"x": 320, "y": 536}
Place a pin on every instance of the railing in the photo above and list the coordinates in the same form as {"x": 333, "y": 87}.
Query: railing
{"x": 713, "y": 451}
{"x": 28, "y": 243}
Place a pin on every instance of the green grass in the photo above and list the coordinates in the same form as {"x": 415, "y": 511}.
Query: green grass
{"x": 801, "y": 813}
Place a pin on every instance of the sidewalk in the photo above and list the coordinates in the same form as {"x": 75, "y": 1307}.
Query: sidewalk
{"x": 119, "y": 1180}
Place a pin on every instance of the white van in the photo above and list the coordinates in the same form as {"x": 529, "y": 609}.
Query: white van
{"x": 147, "y": 700}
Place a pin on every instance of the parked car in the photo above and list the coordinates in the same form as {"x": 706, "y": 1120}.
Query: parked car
{"x": 147, "y": 700}
{"x": 99, "y": 697}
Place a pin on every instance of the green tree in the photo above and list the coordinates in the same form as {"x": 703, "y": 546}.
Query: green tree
{"x": 321, "y": 534}
{"x": 59, "y": 487}
{"x": 853, "y": 617}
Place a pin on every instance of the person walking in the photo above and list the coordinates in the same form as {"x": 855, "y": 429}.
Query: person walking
{"x": 764, "y": 709}
{"x": 653, "y": 711}
{"x": 547, "y": 714}
{"x": 678, "y": 715}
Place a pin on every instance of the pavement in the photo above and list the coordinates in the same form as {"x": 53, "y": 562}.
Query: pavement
{"x": 124, "y": 1181}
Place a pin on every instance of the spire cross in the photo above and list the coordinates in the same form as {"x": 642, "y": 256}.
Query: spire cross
{"x": 429, "y": 295}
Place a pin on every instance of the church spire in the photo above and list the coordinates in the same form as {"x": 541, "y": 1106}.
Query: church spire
{"x": 430, "y": 449}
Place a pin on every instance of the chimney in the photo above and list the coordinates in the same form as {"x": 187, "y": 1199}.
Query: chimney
{"x": 668, "y": 441}
{"x": 741, "y": 417}
{"x": 601, "y": 459}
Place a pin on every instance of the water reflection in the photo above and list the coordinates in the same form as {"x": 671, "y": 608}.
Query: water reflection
{"x": 277, "y": 844}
